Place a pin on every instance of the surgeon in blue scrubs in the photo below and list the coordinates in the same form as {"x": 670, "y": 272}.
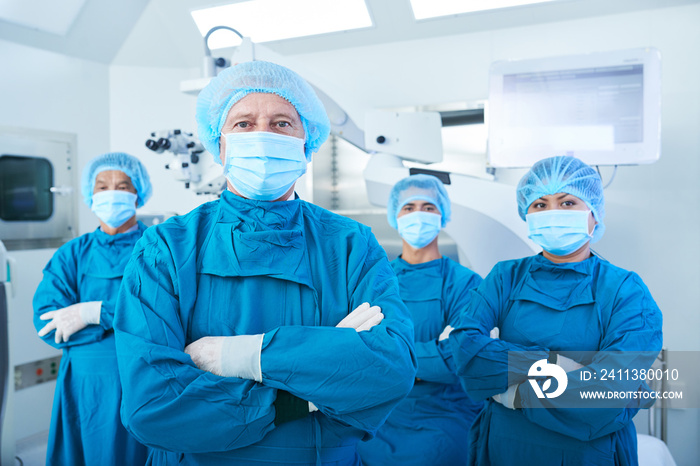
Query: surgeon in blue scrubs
{"x": 260, "y": 328}
{"x": 74, "y": 309}
{"x": 431, "y": 425}
{"x": 564, "y": 311}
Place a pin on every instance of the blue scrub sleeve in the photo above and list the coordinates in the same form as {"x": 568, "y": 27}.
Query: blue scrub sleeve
{"x": 353, "y": 377}
{"x": 59, "y": 289}
{"x": 163, "y": 391}
{"x": 483, "y": 362}
{"x": 632, "y": 339}
{"x": 107, "y": 314}
{"x": 435, "y": 361}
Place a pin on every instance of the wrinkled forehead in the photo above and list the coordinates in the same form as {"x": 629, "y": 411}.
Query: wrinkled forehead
{"x": 111, "y": 176}
{"x": 263, "y": 102}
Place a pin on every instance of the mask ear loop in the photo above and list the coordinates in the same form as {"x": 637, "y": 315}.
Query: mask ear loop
{"x": 590, "y": 233}
{"x": 225, "y": 160}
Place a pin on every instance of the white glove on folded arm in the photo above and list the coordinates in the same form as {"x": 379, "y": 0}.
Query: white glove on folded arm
{"x": 507, "y": 398}
{"x": 237, "y": 356}
{"x": 364, "y": 317}
{"x": 446, "y": 333}
{"x": 71, "y": 319}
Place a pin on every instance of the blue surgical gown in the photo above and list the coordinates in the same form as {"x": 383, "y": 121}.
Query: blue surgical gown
{"x": 85, "y": 425}
{"x": 591, "y": 312}
{"x": 292, "y": 271}
{"x": 434, "y": 420}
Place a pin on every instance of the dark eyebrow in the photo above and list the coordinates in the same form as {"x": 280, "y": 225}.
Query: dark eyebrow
{"x": 563, "y": 195}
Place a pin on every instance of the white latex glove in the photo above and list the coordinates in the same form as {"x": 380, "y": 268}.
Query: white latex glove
{"x": 71, "y": 319}
{"x": 445, "y": 333}
{"x": 312, "y": 407}
{"x": 567, "y": 364}
{"x": 495, "y": 333}
{"x": 206, "y": 353}
{"x": 237, "y": 356}
{"x": 362, "y": 318}
{"x": 507, "y": 398}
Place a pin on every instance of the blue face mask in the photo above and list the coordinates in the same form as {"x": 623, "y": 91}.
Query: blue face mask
{"x": 419, "y": 228}
{"x": 114, "y": 207}
{"x": 559, "y": 232}
{"x": 263, "y": 166}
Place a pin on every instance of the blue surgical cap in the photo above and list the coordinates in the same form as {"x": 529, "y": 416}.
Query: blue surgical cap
{"x": 563, "y": 174}
{"x": 418, "y": 187}
{"x": 236, "y": 82}
{"x": 122, "y": 162}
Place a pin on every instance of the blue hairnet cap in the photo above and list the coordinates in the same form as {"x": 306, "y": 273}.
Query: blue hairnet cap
{"x": 418, "y": 187}
{"x": 236, "y": 82}
{"x": 563, "y": 174}
{"x": 126, "y": 163}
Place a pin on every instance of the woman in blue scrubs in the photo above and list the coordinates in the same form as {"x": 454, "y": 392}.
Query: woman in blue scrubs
{"x": 433, "y": 421}
{"x": 73, "y": 311}
{"x": 563, "y": 313}
{"x": 260, "y": 328}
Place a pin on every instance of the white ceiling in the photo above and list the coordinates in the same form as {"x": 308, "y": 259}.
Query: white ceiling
{"x": 56, "y": 18}
{"x": 98, "y": 32}
{"x": 162, "y": 33}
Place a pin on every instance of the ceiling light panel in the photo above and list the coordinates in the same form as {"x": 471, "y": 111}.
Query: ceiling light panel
{"x": 424, "y": 9}
{"x": 45, "y": 15}
{"x": 268, "y": 20}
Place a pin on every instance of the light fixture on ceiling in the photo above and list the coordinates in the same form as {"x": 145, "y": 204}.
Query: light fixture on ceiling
{"x": 45, "y": 15}
{"x": 424, "y": 9}
{"x": 268, "y": 20}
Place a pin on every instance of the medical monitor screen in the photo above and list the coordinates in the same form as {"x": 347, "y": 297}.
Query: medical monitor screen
{"x": 602, "y": 108}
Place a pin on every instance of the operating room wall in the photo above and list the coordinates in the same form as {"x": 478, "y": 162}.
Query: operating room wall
{"x": 47, "y": 91}
{"x": 652, "y": 215}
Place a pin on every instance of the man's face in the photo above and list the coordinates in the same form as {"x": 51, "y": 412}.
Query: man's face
{"x": 418, "y": 205}
{"x": 261, "y": 112}
{"x": 113, "y": 180}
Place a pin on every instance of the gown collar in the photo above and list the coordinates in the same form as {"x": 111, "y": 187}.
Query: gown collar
{"x": 420, "y": 282}
{"x": 260, "y": 215}
{"x": 105, "y": 239}
{"x": 401, "y": 266}
{"x": 257, "y": 238}
{"x": 557, "y": 286}
{"x": 585, "y": 267}
{"x": 108, "y": 255}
